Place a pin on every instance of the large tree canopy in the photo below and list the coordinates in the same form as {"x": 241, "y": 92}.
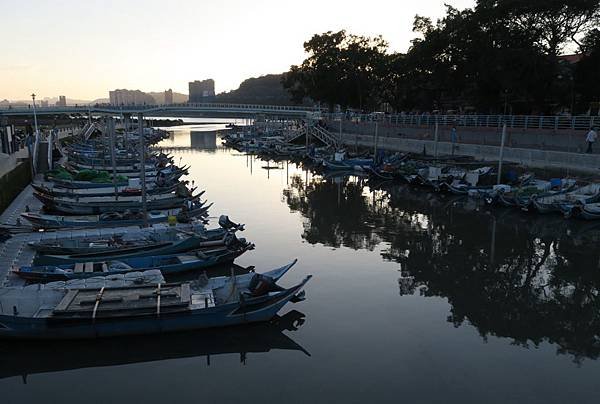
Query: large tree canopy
{"x": 499, "y": 54}
{"x": 340, "y": 69}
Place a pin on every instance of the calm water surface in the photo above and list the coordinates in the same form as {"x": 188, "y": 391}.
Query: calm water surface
{"x": 416, "y": 297}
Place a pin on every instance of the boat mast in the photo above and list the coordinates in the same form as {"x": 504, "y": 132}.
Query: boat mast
{"x": 112, "y": 134}
{"x": 143, "y": 168}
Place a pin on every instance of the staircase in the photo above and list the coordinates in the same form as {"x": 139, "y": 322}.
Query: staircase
{"x": 324, "y": 136}
{"x": 87, "y": 130}
{"x": 318, "y": 132}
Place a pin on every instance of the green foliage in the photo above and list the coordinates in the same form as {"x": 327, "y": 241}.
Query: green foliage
{"x": 587, "y": 73}
{"x": 341, "y": 69}
{"x": 501, "y": 54}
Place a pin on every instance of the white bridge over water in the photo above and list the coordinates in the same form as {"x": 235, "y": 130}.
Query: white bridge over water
{"x": 171, "y": 110}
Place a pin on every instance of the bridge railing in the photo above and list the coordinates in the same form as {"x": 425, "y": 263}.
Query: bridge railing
{"x": 552, "y": 122}
{"x": 166, "y": 107}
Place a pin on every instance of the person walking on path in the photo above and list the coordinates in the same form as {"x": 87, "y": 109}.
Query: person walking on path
{"x": 591, "y": 138}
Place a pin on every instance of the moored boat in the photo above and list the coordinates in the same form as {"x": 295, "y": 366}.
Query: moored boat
{"x": 167, "y": 264}
{"x": 113, "y": 219}
{"x": 105, "y": 312}
{"x": 89, "y": 205}
{"x": 561, "y": 201}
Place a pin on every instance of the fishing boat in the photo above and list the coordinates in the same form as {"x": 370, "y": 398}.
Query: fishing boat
{"x": 29, "y": 313}
{"x": 108, "y": 167}
{"x": 89, "y": 205}
{"x": 562, "y": 201}
{"x": 523, "y": 196}
{"x": 182, "y": 245}
{"x": 467, "y": 183}
{"x": 131, "y": 189}
{"x": 118, "y": 242}
{"x": 113, "y": 219}
{"x": 587, "y": 211}
{"x": 356, "y": 164}
{"x": 167, "y": 264}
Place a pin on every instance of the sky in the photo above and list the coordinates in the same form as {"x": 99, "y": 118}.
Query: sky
{"x": 84, "y": 48}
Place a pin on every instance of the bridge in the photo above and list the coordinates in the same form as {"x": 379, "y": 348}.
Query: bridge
{"x": 212, "y": 110}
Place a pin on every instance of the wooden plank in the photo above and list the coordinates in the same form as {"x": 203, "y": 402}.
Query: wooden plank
{"x": 185, "y": 293}
{"x": 98, "y": 299}
{"x": 66, "y": 301}
{"x": 79, "y": 267}
{"x": 158, "y": 300}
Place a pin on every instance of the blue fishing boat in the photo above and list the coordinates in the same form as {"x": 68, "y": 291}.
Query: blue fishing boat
{"x": 32, "y": 313}
{"x": 187, "y": 243}
{"x": 116, "y": 243}
{"x": 167, "y": 264}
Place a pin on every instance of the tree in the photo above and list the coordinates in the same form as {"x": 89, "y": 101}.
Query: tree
{"x": 501, "y": 54}
{"x": 551, "y": 23}
{"x": 340, "y": 69}
{"x": 587, "y": 72}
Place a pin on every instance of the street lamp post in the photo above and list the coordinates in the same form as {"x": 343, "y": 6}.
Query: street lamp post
{"x": 34, "y": 115}
{"x": 36, "y": 142}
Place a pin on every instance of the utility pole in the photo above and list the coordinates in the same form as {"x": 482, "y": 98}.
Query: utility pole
{"x": 375, "y": 141}
{"x": 143, "y": 168}
{"x": 341, "y": 117}
{"x": 501, "y": 154}
{"x": 36, "y": 143}
{"x": 112, "y": 134}
{"x": 435, "y": 138}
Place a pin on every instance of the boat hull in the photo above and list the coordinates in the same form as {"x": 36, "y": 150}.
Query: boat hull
{"x": 58, "y": 222}
{"x": 52, "y": 328}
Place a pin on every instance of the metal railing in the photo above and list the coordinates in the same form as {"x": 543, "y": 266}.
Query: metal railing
{"x": 324, "y": 135}
{"x": 555, "y": 122}
{"x": 101, "y": 108}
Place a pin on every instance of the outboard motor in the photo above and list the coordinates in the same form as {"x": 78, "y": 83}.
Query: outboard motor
{"x": 260, "y": 285}
{"x": 227, "y": 224}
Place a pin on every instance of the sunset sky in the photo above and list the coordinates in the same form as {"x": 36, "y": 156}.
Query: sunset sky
{"x": 82, "y": 49}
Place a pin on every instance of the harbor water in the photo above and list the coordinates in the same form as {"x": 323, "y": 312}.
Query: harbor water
{"x": 416, "y": 297}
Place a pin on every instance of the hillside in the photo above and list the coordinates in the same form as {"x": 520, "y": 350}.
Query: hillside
{"x": 258, "y": 90}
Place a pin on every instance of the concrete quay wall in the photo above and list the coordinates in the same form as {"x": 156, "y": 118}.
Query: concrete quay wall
{"x": 544, "y": 159}
{"x": 565, "y": 140}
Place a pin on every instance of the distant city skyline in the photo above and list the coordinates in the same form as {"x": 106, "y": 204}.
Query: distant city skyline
{"x": 85, "y": 49}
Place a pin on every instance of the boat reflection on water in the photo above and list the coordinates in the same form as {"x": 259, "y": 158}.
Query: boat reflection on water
{"x": 23, "y": 358}
{"x": 531, "y": 278}
{"x": 201, "y": 140}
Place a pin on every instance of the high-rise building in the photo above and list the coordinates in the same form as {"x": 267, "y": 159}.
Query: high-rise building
{"x": 44, "y": 103}
{"x": 168, "y": 96}
{"x": 202, "y": 91}
{"x": 62, "y": 101}
{"x": 130, "y": 97}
